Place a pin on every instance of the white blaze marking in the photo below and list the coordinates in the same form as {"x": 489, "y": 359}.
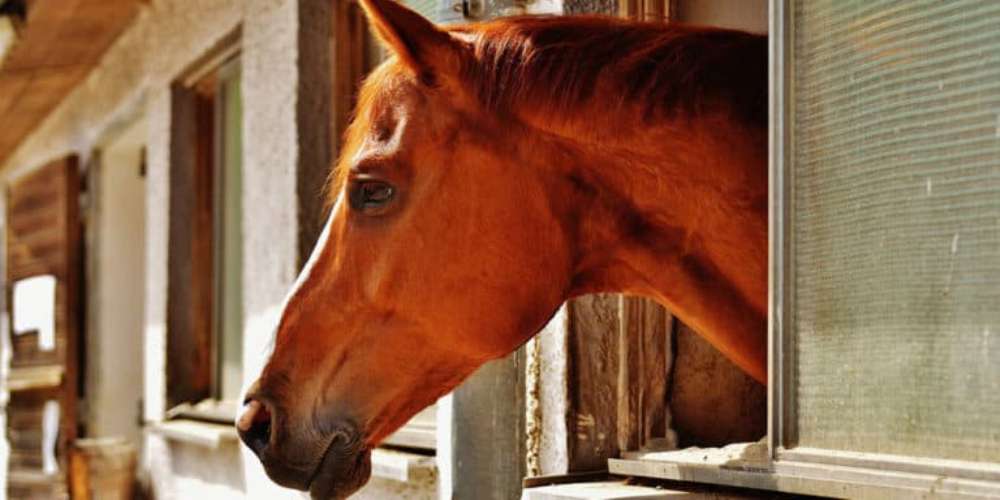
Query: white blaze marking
{"x": 307, "y": 271}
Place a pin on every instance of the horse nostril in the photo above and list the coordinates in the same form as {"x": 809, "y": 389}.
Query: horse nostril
{"x": 254, "y": 426}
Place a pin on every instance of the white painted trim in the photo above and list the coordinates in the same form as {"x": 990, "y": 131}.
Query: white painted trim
{"x": 401, "y": 466}
{"x": 983, "y": 471}
{"x": 812, "y": 479}
{"x": 34, "y": 377}
{"x": 601, "y": 490}
{"x": 211, "y": 436}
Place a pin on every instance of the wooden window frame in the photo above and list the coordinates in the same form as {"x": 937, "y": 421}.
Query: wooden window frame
{"x": 776, "y": 464}
{"x": 195, "y": 336}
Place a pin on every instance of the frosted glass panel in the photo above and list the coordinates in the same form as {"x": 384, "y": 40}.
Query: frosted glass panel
{"x": 896, "y": 226}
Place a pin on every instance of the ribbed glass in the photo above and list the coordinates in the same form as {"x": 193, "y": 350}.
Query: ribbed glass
{"x": 896, "y": 226}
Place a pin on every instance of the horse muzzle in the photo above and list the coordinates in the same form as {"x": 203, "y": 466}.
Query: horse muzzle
{"x": 330, "y": 463}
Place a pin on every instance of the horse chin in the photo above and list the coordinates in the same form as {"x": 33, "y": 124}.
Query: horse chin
{"x": 339, "y": 474}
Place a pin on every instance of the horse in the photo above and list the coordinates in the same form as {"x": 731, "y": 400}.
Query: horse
{"x": 491, "y": 172}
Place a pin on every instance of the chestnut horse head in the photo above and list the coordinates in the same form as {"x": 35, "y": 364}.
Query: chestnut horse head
{"x": 491, "y": 172}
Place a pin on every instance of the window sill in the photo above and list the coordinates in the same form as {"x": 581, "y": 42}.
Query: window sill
{"x": 386, "y": 464}
{"x": 621, "y": 490}
{"x": 204, "y": 434}
{"x": 746, "y": 466}
{"x": 213, "y": 411}
{"x": 402, "y": 466}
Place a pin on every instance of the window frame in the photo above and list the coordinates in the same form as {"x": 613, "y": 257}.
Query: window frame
{"x": 228, "y": 71}
{"x": 781, "y": 401}
{"x": 776, "y": 464}
{"x": 197, "y": 135}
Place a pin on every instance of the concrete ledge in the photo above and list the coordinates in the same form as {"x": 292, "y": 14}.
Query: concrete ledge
{"x": 386, "y": 464}
{"x": 401, "y": 466}
{"x": 617, "y": 490}
{"x": 197, "y": 433}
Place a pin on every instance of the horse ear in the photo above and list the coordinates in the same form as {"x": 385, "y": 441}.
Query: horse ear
{"x": 417, "y": 42}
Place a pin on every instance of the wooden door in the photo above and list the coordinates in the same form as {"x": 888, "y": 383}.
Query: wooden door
{"x": 43, "y": 266}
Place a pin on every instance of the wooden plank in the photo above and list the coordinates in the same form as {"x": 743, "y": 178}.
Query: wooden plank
{"x": 43, "y": 236}
{"x": 349, "y": 62}
{"x": 317, "y": 132}
{"x": 648, "y": 10}
{"x": 41, "y": 241}
{"x": 644, "y": 351}
{"x": 25, "y": 412}
{"x": 712, "y": 402}
{"x": 593, "y": 363}
{"x": 26, "y": 353}
{"x": 32, "y": 195}
{"x": 34, "y": 378}
{"x": 46, "y": 215}
{"x": 30, "y": 485}
{"x": 189, "y": 280}
{"x": 619, "y": 362}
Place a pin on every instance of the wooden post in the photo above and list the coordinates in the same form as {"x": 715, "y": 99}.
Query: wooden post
{"x": 644, "y": 367}
{"x": 488, "y": 432}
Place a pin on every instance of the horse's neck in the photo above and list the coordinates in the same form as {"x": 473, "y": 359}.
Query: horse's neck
{"x": 680, "y": 214}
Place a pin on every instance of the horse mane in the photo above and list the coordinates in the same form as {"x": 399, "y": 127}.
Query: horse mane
{"x": 570, "y": 65}
{"x": 575, "y": 66}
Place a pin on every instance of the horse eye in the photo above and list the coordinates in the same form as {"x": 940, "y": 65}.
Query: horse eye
{"x": 370, "y": 197}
